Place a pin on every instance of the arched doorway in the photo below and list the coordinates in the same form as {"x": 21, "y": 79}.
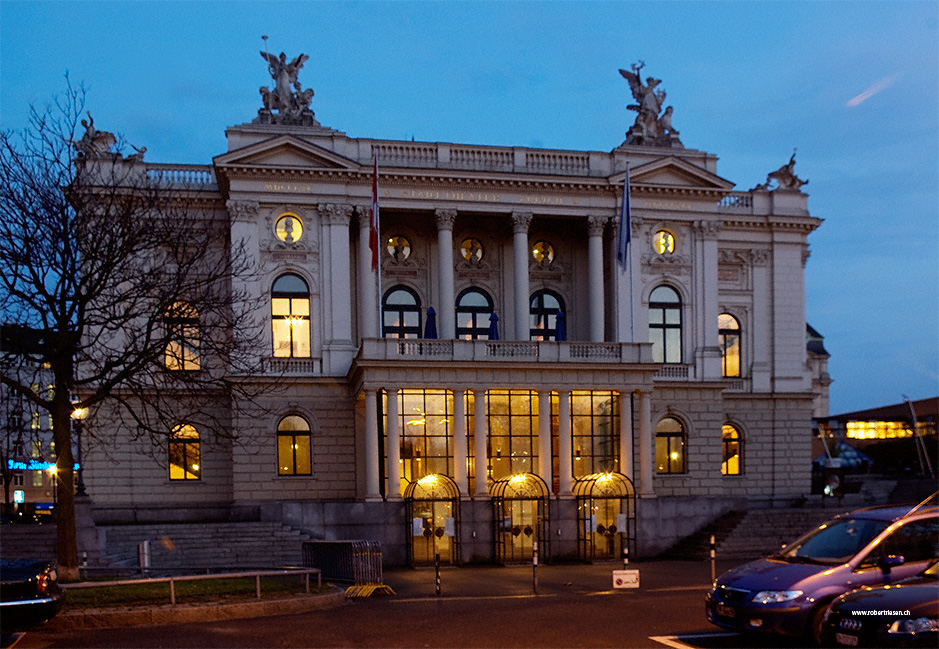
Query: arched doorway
{"x": 520, "y": 517}
{"x": 433, "y": 512}
{"x": 606, "y": 516}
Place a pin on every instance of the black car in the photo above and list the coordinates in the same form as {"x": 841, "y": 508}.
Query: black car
{"x": 29, "y": 593}
{"x": 902, "y": 615}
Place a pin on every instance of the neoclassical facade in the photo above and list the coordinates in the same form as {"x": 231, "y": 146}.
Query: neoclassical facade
{"x": 501, "y": 378}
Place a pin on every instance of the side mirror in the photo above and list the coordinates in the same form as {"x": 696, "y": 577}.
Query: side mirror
{"x": 891, "y": 561}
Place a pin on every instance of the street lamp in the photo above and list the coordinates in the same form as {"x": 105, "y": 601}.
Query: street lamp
{"x": 78, "y": 416}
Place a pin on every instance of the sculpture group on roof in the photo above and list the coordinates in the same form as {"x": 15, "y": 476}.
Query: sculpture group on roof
{"x": 288, "y": 98}
{"x": 784, "y": 177}
{"x": 652, "y": 127}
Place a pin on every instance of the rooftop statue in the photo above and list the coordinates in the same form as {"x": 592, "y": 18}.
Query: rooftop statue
{"x": 650, "y": 128}
{"x": 784, "y": 176}
{"x": 288, "y": 98}
{"x": 94, "y": 143}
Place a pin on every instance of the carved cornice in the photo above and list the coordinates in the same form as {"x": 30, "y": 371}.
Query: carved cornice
{"x": 445, "y": 219}
{"x": 335, "y": 213}
{"x": 243, "y": 211}
{"x": 708, "y": 228}
{"x": 520, "y": 222}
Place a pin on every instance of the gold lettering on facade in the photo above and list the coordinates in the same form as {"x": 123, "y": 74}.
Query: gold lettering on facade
{"x": 540, "y": 200}
{"x": 657, "y": 204}
{"x": 288, "y": 187}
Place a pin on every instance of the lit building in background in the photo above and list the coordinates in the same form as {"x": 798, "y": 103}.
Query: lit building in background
{"x": 502, "y": 379}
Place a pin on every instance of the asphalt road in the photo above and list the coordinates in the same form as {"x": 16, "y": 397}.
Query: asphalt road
{"x": 575, "y": 606}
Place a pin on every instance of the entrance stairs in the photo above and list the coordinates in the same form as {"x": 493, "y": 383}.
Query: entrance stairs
{"x": 195, "y": 545}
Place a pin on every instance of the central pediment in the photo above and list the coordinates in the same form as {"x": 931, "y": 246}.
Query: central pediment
{"x": 285, "y": 151}
{"x": 673, "y": 172}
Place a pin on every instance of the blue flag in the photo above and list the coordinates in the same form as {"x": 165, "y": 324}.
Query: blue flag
{"x": 625, "y": 234}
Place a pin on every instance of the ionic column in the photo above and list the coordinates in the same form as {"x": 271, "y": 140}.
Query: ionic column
{"x": 646, "y": 449}
{"x": 446, "y": 307}
{"x": 393, "y": 434}
{"x": 544, "y": 437}
{"x": 595, "y": 226}
{"x": 372, "y": 490}
{"x": 368, "y": 301}
{"x": 481, "y": 438}
{"x": 565, "y": 463}
{"x": 520, "y": 223}
{"x": 626, "y": 435}
{"x": 459, "y": 441}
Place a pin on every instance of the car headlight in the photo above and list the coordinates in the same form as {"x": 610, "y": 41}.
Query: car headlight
{"x": 918, "y": 625}
{"x": 776, "y": 596}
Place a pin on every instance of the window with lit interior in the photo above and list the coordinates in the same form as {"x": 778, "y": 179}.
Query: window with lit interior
{"x": 665, "y": 325}
{"x": 293, "y": 446}
{"x": 733, "y": 451}
{"x": 185, "y": 451}
{"x": 181, "y": 321}
{"x": 473, "y": 308}
{"x": 545, "y": 306}
{"x": 401, "y": 313}
{"x": 669, "y": 446}
{"x": 728, "y": 331}
{"x": 290, "y": 317}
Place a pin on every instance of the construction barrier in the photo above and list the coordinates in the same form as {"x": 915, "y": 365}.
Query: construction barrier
{"x": 355, "y": 561}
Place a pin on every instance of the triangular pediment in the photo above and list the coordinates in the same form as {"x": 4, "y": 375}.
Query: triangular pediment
{"x": 285, "y": 151}
{"x": 673, "y": 172}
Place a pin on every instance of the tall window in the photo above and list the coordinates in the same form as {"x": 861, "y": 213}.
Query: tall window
{"x": 545, "y": 305}
{"x": 595, "y": 432}
{"x": 669, "y": 446}
{"x": 728, "y": 331}
{"x": 733, "y": 451}
{"x": 290, "y": 317}
{"x": 513, "y": 432}
{"x": 426, "y": 435}
{"x": 293, "y": 447}
{"x": 401, "y": 313}
{"x": 665, "y": 325}
{"x": 182, "y": 333}
{"x": 473, "y": 308}
{"x": 185, "y": 452}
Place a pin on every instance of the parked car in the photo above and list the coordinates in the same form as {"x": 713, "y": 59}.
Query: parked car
{"x": 902, "y": 615}
{"x": 29, "y": 593}
{"x": 787, "y": 593}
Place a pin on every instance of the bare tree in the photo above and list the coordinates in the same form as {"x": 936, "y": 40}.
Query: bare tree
{"x": 131, "y": 282}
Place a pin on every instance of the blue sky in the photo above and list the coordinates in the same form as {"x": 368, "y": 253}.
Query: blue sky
{"x": 853, "y": 85}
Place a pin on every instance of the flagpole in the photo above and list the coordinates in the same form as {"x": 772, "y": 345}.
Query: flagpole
{"x": 623, "y": 256}
{"x": 375, "y": 236}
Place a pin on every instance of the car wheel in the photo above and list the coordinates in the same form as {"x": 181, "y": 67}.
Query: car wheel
{"x": 813, "y": 629}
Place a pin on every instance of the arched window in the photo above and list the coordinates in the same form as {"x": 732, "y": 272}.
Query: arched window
{"x": 728, "y": 331}
{"x": 669, "y": 446}
{"x": 402, "y": 313}
{"x": 181, "y": 321}
{"x": 665, "y": 325}
{"x": 293, "y": 446}
{"x": 545, "y": 305}
{"x": 290, "y": 317}
{"x": 473, "y": 308}
{"x": 733, "y": 451}
{"x": 185, "y": 451}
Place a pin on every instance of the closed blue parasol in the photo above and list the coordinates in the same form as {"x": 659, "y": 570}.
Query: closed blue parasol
{"x": 560, "y": 326}
{"x": 493, "y": 327}
{"x": 430, "y": 327}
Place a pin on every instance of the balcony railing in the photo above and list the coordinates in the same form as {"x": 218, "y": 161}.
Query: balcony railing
{"x": 182, "y": 176}
{"x": 673, "y": 373}
{"x": 395, "y": 349}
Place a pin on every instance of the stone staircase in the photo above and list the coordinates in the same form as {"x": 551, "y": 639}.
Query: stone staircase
{"x": 25, "y": 541}
{"x": 764, "y": 531}
{"x": 189, "y": 545}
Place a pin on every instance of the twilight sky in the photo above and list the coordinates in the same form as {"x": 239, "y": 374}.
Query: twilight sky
{"x": 854, "y": 85}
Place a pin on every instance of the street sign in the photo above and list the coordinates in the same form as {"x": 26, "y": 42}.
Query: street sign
{"x": 625, "y": 579}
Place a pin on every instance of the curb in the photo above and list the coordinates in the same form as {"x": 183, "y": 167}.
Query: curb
{"x": 104, "y": 618}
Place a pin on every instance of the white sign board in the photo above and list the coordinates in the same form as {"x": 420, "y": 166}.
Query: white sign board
{"x": 625, "y": 579}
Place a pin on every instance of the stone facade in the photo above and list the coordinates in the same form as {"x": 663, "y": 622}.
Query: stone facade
{"x": 534, "y": 232}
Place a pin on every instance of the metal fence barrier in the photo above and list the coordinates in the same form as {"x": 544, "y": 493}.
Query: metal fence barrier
{"x": 358, "y": 562}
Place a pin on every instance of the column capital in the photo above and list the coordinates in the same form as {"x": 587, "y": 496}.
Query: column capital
{"x": 244, "y": 211}
{"x": 364, "y": 215}
{"x": 335, "y": 213}
{"x": 520, "y": 222}
{"x": 445, "y": 219}
{"x": 596, "y": 225}
{"x": 708, "y": 228}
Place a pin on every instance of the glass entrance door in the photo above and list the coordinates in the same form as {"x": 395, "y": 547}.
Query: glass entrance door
{"x": 518, "y": 529}
{"x": 432, "y": 532}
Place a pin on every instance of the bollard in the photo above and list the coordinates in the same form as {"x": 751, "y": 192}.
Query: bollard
{"x": 534, "y": 567}
{"x": 143, "y": 555}
{"x": 437, "y": 572}
{"x": 713, "y": 566}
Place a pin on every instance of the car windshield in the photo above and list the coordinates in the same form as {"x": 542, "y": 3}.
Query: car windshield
{"x": 833, "y": 543}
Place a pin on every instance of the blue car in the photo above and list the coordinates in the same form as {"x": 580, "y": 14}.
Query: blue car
{"x": 787, "y": 593}
{"x": 29, "y": 593}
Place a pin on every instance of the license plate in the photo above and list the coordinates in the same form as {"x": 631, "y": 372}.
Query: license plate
{"x": 846, "y": 640}
{"x": 725, "y": 611}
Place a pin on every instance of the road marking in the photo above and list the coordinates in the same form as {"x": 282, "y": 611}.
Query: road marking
{"x": 677, "y": 588}
{"x": 466, "y": 598}
{"x": 674, "y": 642}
